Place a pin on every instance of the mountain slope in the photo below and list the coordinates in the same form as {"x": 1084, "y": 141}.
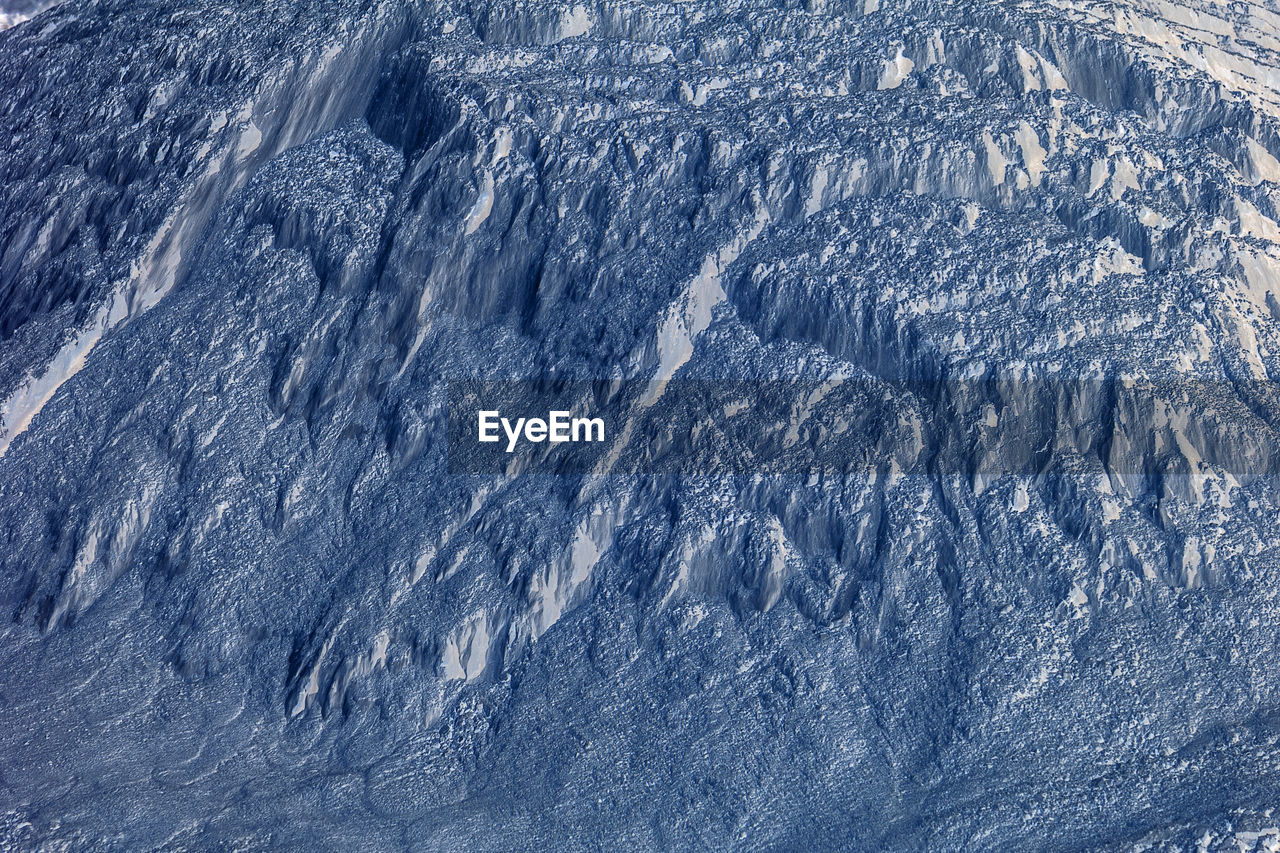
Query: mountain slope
{"x": 247, "y": 251}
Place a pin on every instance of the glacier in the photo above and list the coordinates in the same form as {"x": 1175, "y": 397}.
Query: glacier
{"x": 937, "y": 342}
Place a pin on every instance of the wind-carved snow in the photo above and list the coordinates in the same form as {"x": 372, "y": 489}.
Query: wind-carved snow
{"x": 1184, "y": 33}
{"x": 466, "y": 652}
{"x": 36, "y": 391}
{"x": 152, "y": 276}
{"x": 375, "y": 658}
{"x": 310, "y": 686}
{"x": 429, "y": 551}
{"x": 105, "y": 553}
{"x": 689, "y": 316}
{"x": 562, "y": 583}
{"x": 686, "y": 319}
{"x": 804, "y": 408}
{"x": 693, "y": 544}
{"x": 1175, "y": 420}
{"x": 780, "y": 552}
{"x": 888, "y": 249}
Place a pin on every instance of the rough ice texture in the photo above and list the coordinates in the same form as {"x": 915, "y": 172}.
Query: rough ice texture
{"x": 245, "y": 245}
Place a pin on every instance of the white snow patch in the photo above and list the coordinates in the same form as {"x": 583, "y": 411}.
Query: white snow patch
{"x": 895, "y": 71}
{"x": 656, "y": 53}
{"x": 1153, "y": 219}
{"x": 1265, "y": 166}
{"x": 1123, "y": 176}
{"x": 250, "y": 140}
{"x": 466, "y": 652}
{"x": 483, "y": 206}
{"x": 1032, "y": 154}
{"x": 502, "y": 145}
{"x": 1191, "y": 562}
{"x": 704, "y": 89}
{"x": 1261, "y": 277}
{"x": 690, "y": 316}
{"x": 1266, "y": 840}
{"x": 1114, "y": 259}
{"x": 26, "y": 402}
{"x": 1098, "y": 174}
{"x": 1254, "y": 223}
{"x": 575, "y": 22}
{"x": 816, "y": 188}
{"x": 996, "y": 161}
{"x": 1030, "y": 79}
{"x": 1078, "y": 599}
{"x": 583, "y": 555}
{"x": 1052, "y": 76}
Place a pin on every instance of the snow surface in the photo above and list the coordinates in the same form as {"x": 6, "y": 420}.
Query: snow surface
{"x": 936, "y": 342}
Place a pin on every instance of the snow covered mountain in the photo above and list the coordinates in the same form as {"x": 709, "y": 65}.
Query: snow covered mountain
{"x": 936, "y": 341}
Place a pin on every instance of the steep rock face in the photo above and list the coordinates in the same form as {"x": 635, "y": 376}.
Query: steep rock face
{"x": 245, "y": 250}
